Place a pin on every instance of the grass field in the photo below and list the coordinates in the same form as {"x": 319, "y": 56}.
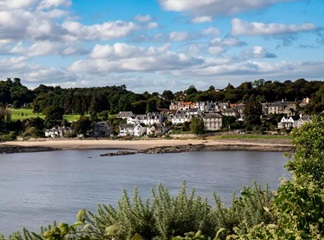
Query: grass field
{"x": 23, "y": 113}
{"x": 252, "y": 136}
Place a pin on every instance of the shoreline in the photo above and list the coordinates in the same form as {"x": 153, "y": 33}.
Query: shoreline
{"x": 147, "y": 146}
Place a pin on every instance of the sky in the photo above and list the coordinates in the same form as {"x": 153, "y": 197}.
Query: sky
{"x": 157, "y": 45}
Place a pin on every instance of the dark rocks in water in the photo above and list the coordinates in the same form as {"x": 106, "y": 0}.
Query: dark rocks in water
{"x": 118, "y": 153}
{"x": 175, "y": 149}
{"x": 22, "y": 149}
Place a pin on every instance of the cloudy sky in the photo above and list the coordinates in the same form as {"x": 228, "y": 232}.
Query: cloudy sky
{"x": 153, "y": 45}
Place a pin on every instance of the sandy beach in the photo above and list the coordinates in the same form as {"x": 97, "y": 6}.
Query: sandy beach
{"x": 77, "y": 144}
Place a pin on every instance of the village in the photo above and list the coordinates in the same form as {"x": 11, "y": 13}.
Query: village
{"x": 179, "y": 113}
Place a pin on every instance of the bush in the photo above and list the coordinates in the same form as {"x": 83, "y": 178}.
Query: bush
{"x": 8, "y": 137}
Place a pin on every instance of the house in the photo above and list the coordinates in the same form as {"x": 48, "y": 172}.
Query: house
{"x": 126, "y": 130}
{"x": 303, "y": 119}
{"x": 230, "y": 112}
{"x": 276, "y": 107}
{"x": 125, "y": 114}
{"x": 58, "y": 132}
{"x": 212, "y": 121}
{"x": 139, "y": 130}
{"x": 219, "y": 107}
{"x": 288, "y": 122}
{"x": 147, "y": 119}
{"x": 157, "y": 129}
{"x": 102, "y": 129}
{"x": 194, "y": 111}
{"x": 174, "y": 106}
{"x": 240, "y": 109}
{"x": 179, "y": 118}
{"x": 186, "y": 105}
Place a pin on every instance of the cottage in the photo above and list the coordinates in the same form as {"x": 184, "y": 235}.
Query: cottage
{"x": 58, "y": 132}
{"x": 102, "y": 129}
{"x": 303, "y": 119}
{"x": 126, "y": 130}
{"x": 157, "y": 129}
{"x": 125, "y": 114}
{"x": 180, "y": 117}
{"x": 288, "y": 122}
{"x": 140, "y": 130}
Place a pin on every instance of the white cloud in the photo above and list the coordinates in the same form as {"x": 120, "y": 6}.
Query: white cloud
{"x": 211, "y": 31}
{"x": 118, "y": 50}
{"x": 105, "y": 31}
{"x": 220, "y": 45}
{"x": 13, "y": 24}
{"x": 46, "y": 4}
{"x": 216, "y": 7}
{"x": 6, "y": 5}
{"x": 179, "y": 36}
{"x": 40, "y": 48}
{"x": 240, "y": 27}
{"x": 143, "y": 18}
{"x": 123, "y": 58}
{"x": 258, "y": 52}
{"x": 201, "y": 19}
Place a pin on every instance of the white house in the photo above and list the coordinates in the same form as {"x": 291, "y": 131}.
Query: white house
{"x": 139, "y": 130}
{"x": 147, "y": 119}
{"x": 180, "y": 117}
{"x": 126, "y": 130}
{"x": 58, "y": 132}
{"x": 288, "y": 122}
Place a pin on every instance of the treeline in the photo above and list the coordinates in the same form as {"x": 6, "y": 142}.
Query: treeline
{"x": 13, "y": 92}
{"x": 117, "y": 98}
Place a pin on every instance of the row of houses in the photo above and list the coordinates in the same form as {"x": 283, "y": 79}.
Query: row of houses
{"x": 228, "y": 109}
{"x": 212, "y": 114}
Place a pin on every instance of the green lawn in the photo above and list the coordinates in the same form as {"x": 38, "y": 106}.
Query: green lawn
{"x": 252, "y": 136}
{"x": 23, "y": 113}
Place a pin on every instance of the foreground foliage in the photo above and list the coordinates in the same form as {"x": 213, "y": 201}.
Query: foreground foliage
{"x": 294, "y": 211}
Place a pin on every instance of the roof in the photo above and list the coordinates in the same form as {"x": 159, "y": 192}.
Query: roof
{"x": 212, "y": 115}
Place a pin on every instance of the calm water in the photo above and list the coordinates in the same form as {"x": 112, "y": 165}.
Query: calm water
{"x": 37, "y": 188}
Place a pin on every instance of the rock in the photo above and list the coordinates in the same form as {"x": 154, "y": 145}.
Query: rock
{"x": 118, "y": 153}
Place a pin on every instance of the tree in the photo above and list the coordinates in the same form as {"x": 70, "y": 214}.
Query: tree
{"x": 252, "y": 113}
{"x": 53, "y": 114}
{"x": 197, "y": 126}
{"x": 83, "y": 125}
{"x": 167, "y": 95}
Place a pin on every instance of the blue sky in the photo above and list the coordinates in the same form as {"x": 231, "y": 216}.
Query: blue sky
{"x": 154, "y": 45}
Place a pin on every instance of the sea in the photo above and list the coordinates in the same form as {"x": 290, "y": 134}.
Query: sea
{"x": 38, "y": 188}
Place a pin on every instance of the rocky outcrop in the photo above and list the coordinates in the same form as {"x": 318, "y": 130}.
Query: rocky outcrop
{"x": 175, "y": 149}
{"x": 118, "y": 153}
{"x": 203, "y": 147}
{"x": 22, "y": 149}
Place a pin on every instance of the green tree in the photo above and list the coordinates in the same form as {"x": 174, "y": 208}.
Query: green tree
{"x": 197, "y": 126}
{"x": 53, "y": 114}
{"x": 252, "y": 113}
{"x": 83, "y": 125}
